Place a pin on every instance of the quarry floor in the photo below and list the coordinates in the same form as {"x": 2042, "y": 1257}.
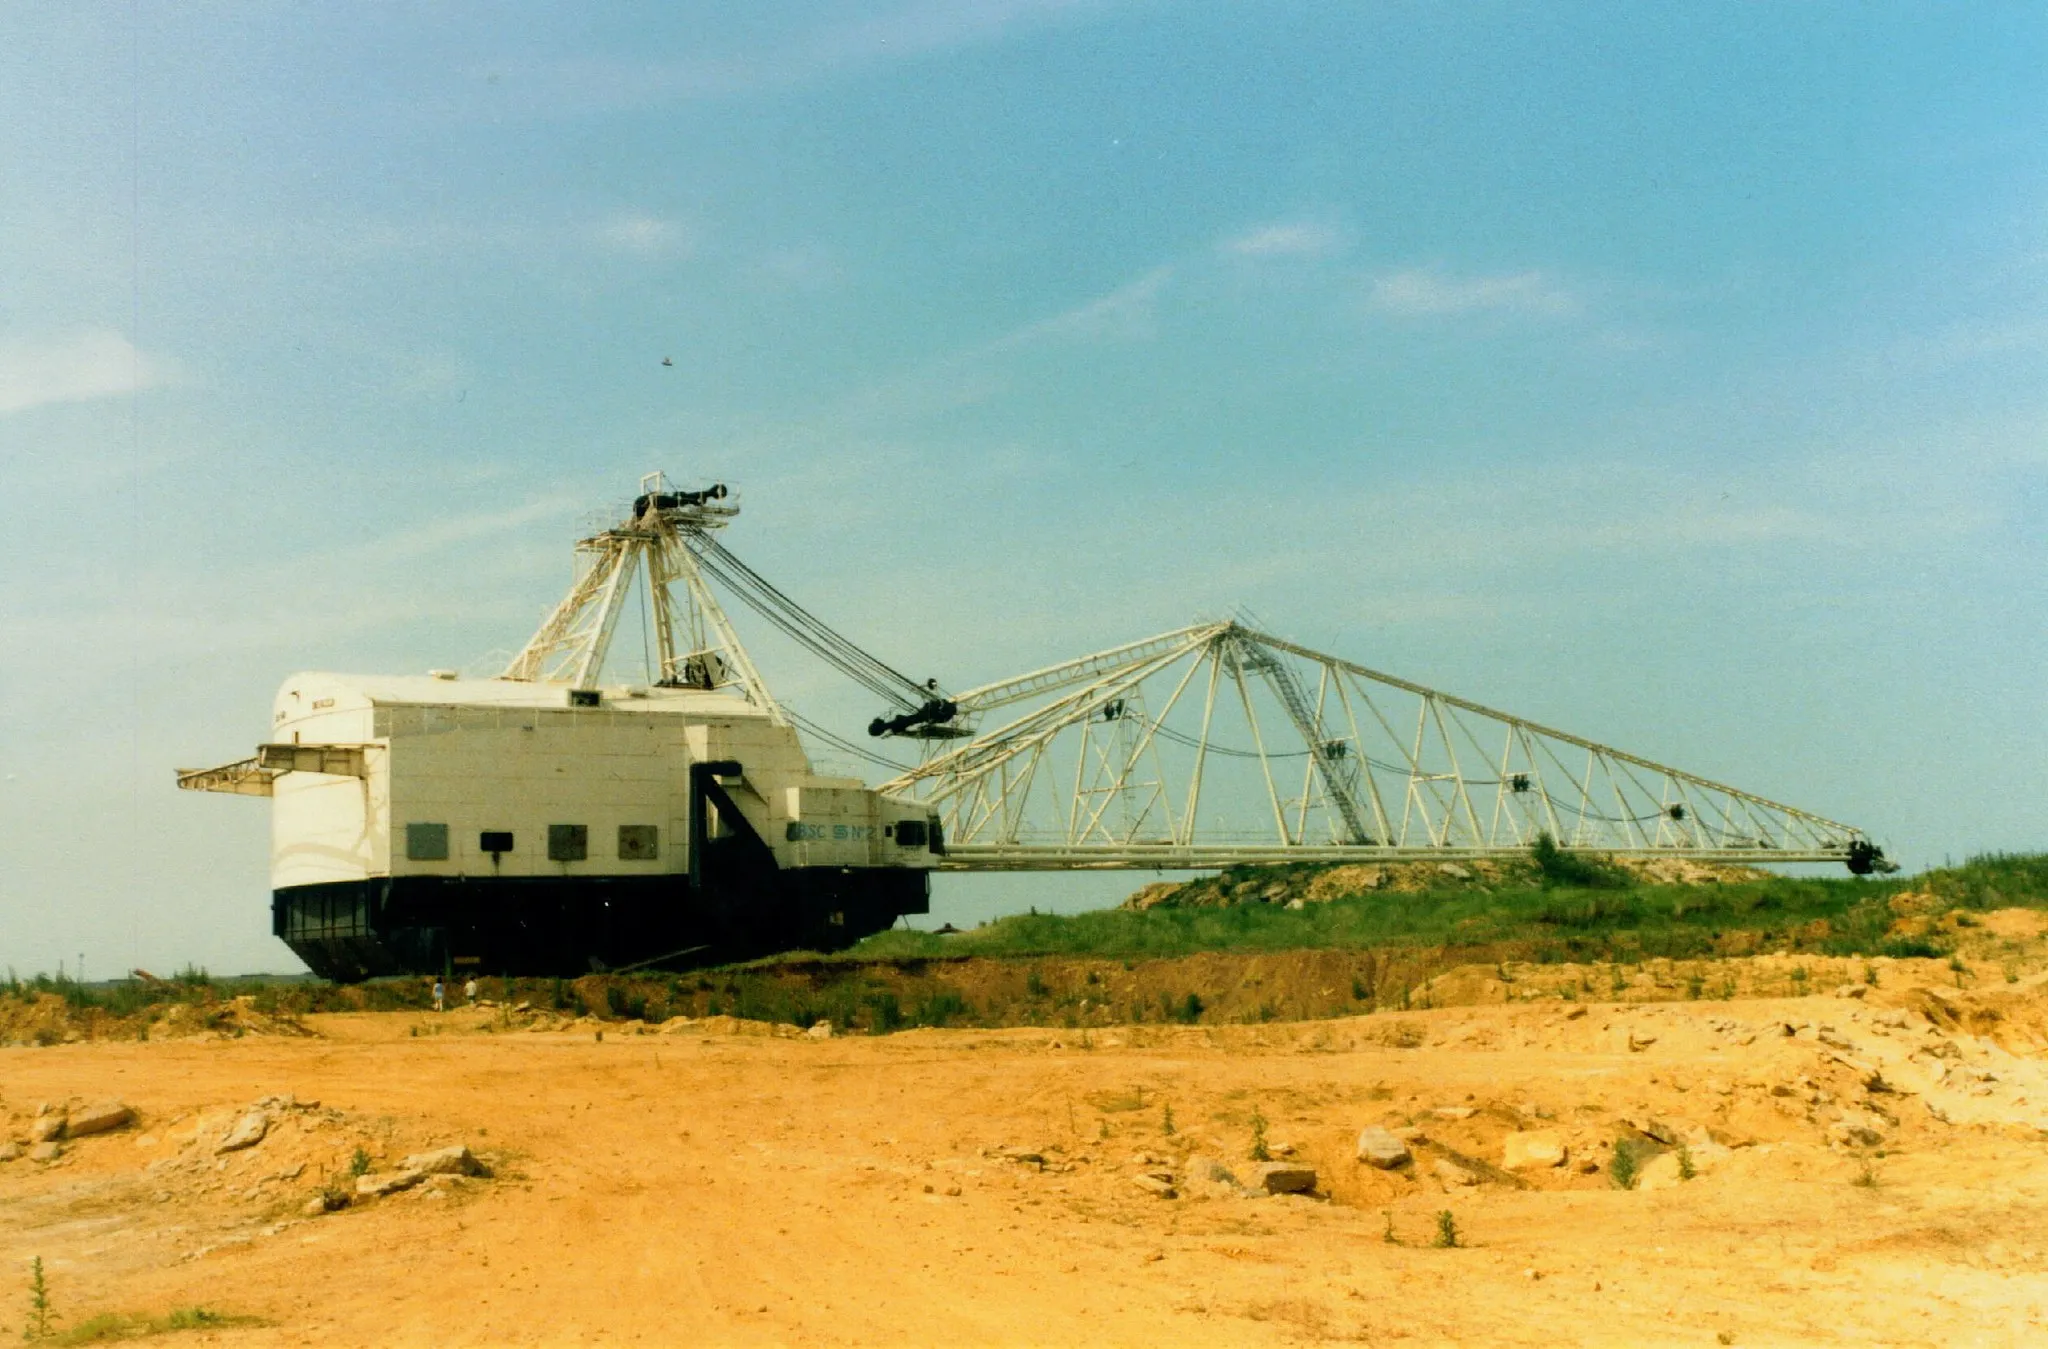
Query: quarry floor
{"x": 715, "y": 1183}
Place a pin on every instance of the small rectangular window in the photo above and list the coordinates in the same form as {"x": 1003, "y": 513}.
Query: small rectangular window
{"x": 585, "y": 697}
{"x": 494, "y": 841}
{"x": 568, "y": 842}
{"x": 639, "y": 842}
{"x": 910, "y": 833}
{"x": 426, "y": 842}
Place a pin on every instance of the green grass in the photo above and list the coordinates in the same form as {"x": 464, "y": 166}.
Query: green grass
{"x": 117, "y": 1326}
{"x": 1553, "y": 921}
{"x": 1536, "y": 914}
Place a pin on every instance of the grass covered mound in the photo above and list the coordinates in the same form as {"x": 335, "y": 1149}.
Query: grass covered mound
{"x": 1345, "y": 952}
{"x": 1542, "y": 918}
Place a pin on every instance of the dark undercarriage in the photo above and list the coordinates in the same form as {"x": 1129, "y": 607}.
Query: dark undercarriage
{"x": 352, "y": 930}
{"x": 735, "y": 903}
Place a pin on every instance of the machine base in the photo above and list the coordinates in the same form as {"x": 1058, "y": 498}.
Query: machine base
{"x": 351, "y": 930}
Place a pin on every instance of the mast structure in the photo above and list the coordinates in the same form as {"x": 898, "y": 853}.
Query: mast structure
{"x": 694, "y": 640}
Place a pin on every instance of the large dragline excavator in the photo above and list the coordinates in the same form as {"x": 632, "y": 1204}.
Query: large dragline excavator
{"x": 545, "y": 821}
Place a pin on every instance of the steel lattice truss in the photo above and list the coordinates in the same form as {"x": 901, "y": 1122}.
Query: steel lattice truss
{"x": 695, "y": 640}
{"x": 1218, "y": 744}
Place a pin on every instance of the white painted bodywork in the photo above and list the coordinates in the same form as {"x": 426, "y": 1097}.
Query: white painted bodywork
{"x": 496, "y": 755}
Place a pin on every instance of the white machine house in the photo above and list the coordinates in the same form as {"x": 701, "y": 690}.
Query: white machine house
{"x": 541, "y": 822}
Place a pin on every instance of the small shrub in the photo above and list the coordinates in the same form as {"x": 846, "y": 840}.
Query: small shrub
{"x": 1034, "y": 984}
{"x": 1557, "y": 867}
{"x": 1686, "y": 1169}
{"x": 940, "y": 1007}
{"x": 359, "y": 1164}
{"x": 39, "y": 1314}
{"x": 1166, "y": 1121}
{"x": 1260, "y": 1153}
{"x": 1866, "y": 1174}
{"x": 1190, "y": 1010}
{"x": 1387, "y": 1233}
{"x": 1446, "y": 1230}
{"x": 1909, "y": 948}
{"x": 1625, "y": 1164}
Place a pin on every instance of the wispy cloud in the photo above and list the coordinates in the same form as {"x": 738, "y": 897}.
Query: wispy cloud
{"x": 645, "y": 235}
{"x": 93, "y": 364}
{"x": 1423, "y": 292}
{"x": 1128, "y": 313}
{"x": 1285, "y": 239}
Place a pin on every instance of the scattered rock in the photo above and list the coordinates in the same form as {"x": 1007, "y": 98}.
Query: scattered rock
{"x": 1284, "y": 1178}
{"x": 1454, "y": 1112}
{"x": 1379, "y": 1147}
{"x": 823, "y": 1030}
{"x": 46, "y": 1129}
{"x": 389, "y": 1182}
{"x": 315, "y": 1206}
{"x": 1207, "y": 1176}
{"x": 46, "y": 1152}
{"x": 1532, "y": 1149}
{"x": 1156, "y": 1183}
{"x": 1854, "y": 1134}
{"x": 456, "y": 1160}
{"x": 1638, "y": 1042}
{"x": 1454, "y": 871}
{"x": 104, "y": 1117}
{"x": 247, "y": 1133}
{"x": 9, "y": 1150}
{"x": 1661, "y": 1172}
{"x": 1450, "y": 1173}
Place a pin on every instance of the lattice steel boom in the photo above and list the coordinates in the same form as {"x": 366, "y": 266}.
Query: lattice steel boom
{"x": 1220, "y": 744}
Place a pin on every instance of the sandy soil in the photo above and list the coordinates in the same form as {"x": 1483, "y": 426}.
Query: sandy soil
{"x": 715, "y": 1183}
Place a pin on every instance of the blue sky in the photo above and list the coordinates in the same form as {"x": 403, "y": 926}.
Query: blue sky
{"x": 1675, "y": 377}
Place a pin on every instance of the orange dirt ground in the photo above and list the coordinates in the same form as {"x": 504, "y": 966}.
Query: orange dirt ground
{"x": 719, "y": 1183}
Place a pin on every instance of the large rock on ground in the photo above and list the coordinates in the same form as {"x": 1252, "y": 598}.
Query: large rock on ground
{"x": 1284, "y": 1178}
{"x": 1381, "y": 1148}
{"x": 46, "y": 1152}
{"x": 100, "y": 1118}
{"x": 247, "y": 1132}
{"x": 1532, "y": 1149}
{"x": 9, "y": 1150}
{"x": 389, "y": 1182}
{"x": 46, "y": 1129}
{"x": 457, "y": 1160}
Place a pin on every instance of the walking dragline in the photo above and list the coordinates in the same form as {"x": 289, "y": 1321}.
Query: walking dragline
{"x": 545, "y": 821}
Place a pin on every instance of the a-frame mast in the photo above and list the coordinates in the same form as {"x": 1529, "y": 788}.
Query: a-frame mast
{"x": 695, "y": 641}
